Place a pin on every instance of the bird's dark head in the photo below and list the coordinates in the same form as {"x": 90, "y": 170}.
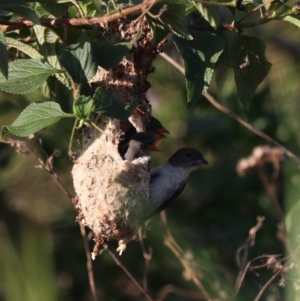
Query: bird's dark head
{"x": 155, "y": 127}
{"x": 187, "y": 158}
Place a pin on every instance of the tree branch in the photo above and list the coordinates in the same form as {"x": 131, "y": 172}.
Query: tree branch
{"x": 49, "y": 169}
{"x": 250, "y": 127}
{"x": 126, "y": 271}
{"x": 83, "y": 23}
{"x": 236, "y": 117}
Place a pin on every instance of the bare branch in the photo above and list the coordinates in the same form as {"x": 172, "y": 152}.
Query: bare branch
{"x": 250, "y": 127}
{"x": 236, "y": 117}
{"x": 187, "y": 263}
{"x": 89, "y": 264}
{"x": 267, "y": 283}
{"x": 245, "y": 247}
{"x": 48, "y": 167}
{"x": 126, "y": 271}
{"x": 147, "y": 256}
{"x": 83, "y": 23}
{"x": 169, "y": 288}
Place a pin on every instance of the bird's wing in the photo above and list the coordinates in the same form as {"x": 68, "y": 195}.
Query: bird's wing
{"x": 164, "y": 205}
{"x": 170, "y": 195}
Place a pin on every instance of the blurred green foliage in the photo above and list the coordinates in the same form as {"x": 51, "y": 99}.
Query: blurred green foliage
{"x": 42, "y": 253}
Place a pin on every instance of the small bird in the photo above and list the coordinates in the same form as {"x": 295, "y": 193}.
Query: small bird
{"x": 140, "y": 145}
{"x": 154, "y": 127}
{"x": 167, "y": 181}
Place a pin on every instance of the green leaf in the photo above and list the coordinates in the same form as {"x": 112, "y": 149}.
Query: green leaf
{"x": 209, "y": 12}
{"x": 107, "y": 104}
{"x": 25, "y": 48}
{"x": 250, "y": 50}
{"x": 89, "y": 8}
{"x": 58, "y": 10}
{"x": 108, "y": 54}
{"x": 172, "y": 18}
{"x": 3, "y": 56}
{"x": 190, "y": 8}
{"x": 79, "y": 60}
{"x": 25, "y": 76}
{"x": 159, "y": 31}
{"x": 51, "y": 47}
{"x": 274, "y": 5}
{"x": 20, "y": 8}
{"x": 83, "y": 107}
{"x": 292, "y": 20}
{"x": 35, "y": 117}
{"x": 199, "y": 58}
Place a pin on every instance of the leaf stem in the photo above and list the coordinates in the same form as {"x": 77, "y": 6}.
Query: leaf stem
{"x": 96, "y": 127}
{"x": 253, "y": 10}
{"x": 72, "y": 135}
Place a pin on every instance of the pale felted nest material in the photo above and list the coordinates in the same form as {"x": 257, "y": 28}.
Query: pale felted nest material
{"x": 112, "y": 193}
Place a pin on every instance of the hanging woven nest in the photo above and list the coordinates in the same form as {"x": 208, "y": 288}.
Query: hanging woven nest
{"x": 112, "y": 193}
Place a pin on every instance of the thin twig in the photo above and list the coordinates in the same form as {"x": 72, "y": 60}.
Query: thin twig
{"x": 248, "y": 266}
{"x": 49, "y": 169}
{"x": 187, "y": 294}
{"x": 212, "y": 3}
{"x": 253, "y": 10}
{"x": 267, "y": 283}
{"x": 51, "y": 172}
{"x": 178, "y": 252}
{"x": 147, "y": 256}
{"x": 271, "y": 189}
{"x": 84, "y": 23}
{"x": 246, "y": 246}
{"x": 126, "y": 271}
{"x": 250, "y": 127}
{"x": 145, "y": 11}
{"x": 89, "y": 264}
{"x": 172, "y": 62}
{"x": 234, "y": 116}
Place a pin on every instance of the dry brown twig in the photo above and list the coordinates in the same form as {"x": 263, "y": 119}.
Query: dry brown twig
{"x": 169, "y": 288}
{"x": 274, "y": 155}
{"x": 24, "y": 147}
{"x": 275, "y": 262}
{"x": 229, "y": 113}
{"x": 250, "y": 241}
{"x": 256, "y": 161}
{"x": 84, "y": 23}
{"x": 147, "y": 257}
{"x": 127, "y": 272}
{"x": 189, "y": 265}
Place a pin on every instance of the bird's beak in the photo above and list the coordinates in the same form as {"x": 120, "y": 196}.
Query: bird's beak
{"x": 200, "y": 162}
{"x": 162, "y": 132}
{"x": 154, "y": 148}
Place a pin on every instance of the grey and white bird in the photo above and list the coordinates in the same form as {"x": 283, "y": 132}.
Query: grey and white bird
{"x": 167, "y": 181}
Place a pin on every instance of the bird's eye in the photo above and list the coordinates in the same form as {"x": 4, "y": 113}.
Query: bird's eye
{"x": 189, "y": 155}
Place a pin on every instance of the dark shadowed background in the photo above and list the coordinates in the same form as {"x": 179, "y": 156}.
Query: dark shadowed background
{"x": 42, "y": 252}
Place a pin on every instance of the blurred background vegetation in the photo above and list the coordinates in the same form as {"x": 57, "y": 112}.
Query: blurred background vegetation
{"x": 42, "y": 251}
